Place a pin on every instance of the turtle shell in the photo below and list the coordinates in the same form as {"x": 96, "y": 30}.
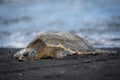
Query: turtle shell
{"x": 68, "y": 40}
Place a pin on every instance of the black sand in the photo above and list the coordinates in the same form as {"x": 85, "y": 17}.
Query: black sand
{"x": 84, "y": 67}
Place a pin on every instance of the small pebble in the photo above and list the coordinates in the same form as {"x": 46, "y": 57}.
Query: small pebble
{"x": 20, "y": 74}
{"x": 61, "y": 72}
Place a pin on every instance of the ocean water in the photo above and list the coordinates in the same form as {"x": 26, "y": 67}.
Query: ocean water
{"x": 97, "y": 21}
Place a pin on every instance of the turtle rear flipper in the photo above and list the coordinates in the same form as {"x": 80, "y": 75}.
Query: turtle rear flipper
{"x": 98, "y": 51}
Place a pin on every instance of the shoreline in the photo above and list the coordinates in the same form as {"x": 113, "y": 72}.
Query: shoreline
{"x": 75, "y": 67}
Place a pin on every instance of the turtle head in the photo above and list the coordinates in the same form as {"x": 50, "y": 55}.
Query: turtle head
{"x": 26, "y": 54}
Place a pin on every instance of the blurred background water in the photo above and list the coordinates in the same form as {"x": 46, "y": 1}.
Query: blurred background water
{"x": 98, "y": 21}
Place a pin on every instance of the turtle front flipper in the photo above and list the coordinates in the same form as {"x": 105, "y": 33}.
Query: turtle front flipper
{"x": 61, "y": 54}
{"x": 59, "y": 51}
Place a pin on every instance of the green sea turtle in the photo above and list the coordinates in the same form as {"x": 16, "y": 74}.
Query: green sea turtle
{"x": 56, "y": 45}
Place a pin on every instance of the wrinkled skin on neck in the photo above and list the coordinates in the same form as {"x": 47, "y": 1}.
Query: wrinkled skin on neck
{"x": 26, "y": 54}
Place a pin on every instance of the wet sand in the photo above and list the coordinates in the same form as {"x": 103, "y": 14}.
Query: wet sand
{"x": 84, "y": 67}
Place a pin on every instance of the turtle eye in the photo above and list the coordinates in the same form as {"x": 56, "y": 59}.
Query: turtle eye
{"x": 25, "y": 54}
{"x": 32, "y": 53}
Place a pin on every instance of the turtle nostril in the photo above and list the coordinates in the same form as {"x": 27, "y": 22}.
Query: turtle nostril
{"x": 25, "y": 54}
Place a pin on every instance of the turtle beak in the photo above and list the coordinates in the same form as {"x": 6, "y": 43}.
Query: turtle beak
{"x": 16, "y": 55}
